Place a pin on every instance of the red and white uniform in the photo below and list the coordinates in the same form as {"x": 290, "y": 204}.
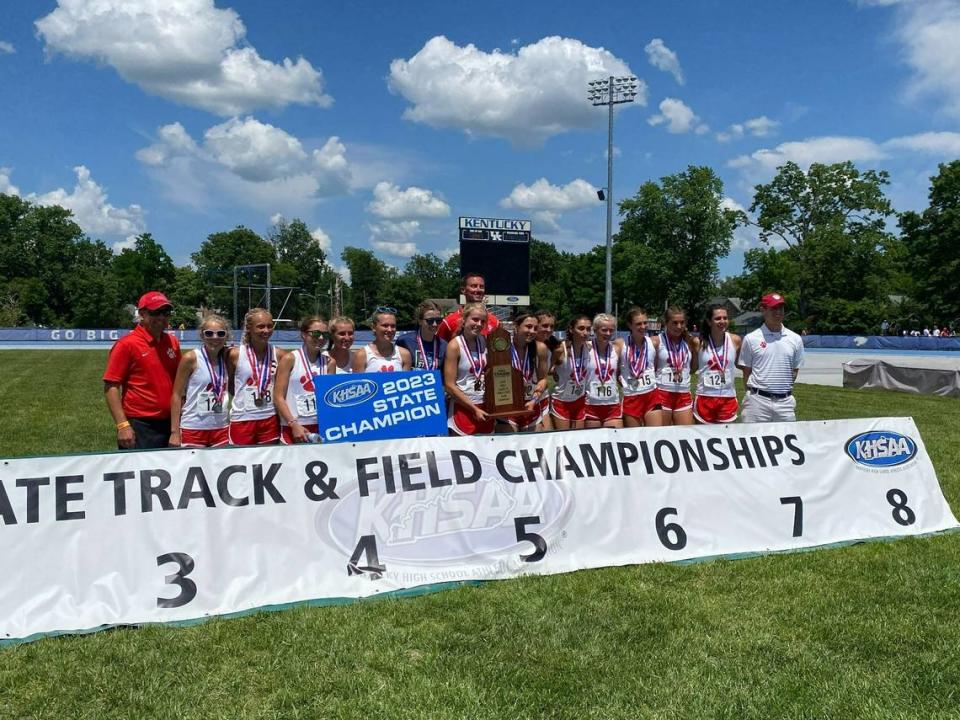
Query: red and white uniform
{"x": 378, "y": 363}
{"x": 569, "y": 397}
{"x": 252, "y": 424}
{"x": 200, "y": 423}
{"x": 603, "y": 397}
{"x": 638, "y": 377}
{"x": 673, "y": 374}
{"x": 470, "y": 367}
{"x": 716, "y": 395}
{"x": 526, "y": 362}
{"x": 301, "y": 398}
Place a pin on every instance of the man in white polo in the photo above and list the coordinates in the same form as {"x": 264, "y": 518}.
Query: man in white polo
{"x": 770, "y": 358}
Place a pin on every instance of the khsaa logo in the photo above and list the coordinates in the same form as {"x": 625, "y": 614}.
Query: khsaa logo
{"x": 881, "y": 448}
{"x": 351, "y": 392}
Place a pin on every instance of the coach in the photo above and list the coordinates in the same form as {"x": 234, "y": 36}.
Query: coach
{"x": 770, "y": 358}
{"x": 474, "y": 290}
{"x": 138, "y": 381}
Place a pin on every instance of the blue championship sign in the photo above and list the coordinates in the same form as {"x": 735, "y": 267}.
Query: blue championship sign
{"x": 379, "y": 406}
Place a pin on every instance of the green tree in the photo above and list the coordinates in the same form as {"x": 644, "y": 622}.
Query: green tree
{"x": 144, "y": 267}
{"x": 216, "y": 259}
{"x": 91, "y": 287}
{"x": 831, "y": 221}
{"x": 932, "y": 244}
{"x": 671, "y": 237}
{"x": 369, "y": 277}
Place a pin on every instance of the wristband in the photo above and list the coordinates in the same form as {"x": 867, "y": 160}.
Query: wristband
{"x": 122, "y": 426}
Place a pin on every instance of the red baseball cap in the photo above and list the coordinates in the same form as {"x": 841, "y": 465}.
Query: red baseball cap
{"x": 772, "y": 300}
{"x": 153, "y": 300}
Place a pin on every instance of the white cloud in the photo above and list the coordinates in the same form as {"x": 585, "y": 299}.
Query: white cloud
{"x": 546, "y": 221}
{"x": 92, "y": 210}
{"x": 395, "y": 238}
{"x": 6, "y": 48}
{"x": 447, "y": 252}
{"x": 758, "y": 127}
{"x": 663, "y": 58}
{"x": 928, "y": 30}
{"x": 252, "y": 161}
{"x": 129, "y": 244}
{"x": 525, "y": 96}
{"x": 390, "y": 202}
{"x": 6, "y": 185}
{"x": 830, "y": 149}
{"x": 945, "y": 144}
{"x": 277, "y": 218}
{"x": 542, "y": 195}
{"x": 679, "y": 117}
{"x": 187, "y": 51}
{"x": 323, "y": 240}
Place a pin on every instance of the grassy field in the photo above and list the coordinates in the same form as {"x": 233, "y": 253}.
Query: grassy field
{"x": 868, "y": 631}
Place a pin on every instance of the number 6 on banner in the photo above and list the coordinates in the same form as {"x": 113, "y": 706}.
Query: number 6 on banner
{"x": 188, "y": 588}
{"x": 664, "y": 530}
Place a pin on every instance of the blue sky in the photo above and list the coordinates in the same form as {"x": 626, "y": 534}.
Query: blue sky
{"x": 380, "y": 123}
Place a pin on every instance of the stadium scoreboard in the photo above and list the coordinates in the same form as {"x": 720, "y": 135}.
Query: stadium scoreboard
{"x": 498, "y": 249}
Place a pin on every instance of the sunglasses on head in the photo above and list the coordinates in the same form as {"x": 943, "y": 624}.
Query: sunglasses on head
{"x": 214, "y": 333}
{"x": 319, "y": 334}
{"x": 433, "y": 321}
{"x": 385, "y": 309}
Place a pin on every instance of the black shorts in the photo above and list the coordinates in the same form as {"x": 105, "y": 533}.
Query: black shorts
{"x": 150, "y": 432}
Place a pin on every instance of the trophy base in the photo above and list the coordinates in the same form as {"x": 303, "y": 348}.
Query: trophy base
{"x": 508, "y": 413}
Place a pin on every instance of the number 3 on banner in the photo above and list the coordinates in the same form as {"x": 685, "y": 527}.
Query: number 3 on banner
{"x": 188, "y": 588}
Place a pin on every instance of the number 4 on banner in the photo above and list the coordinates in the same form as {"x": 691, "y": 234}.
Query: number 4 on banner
{"x": 367, "y": 546}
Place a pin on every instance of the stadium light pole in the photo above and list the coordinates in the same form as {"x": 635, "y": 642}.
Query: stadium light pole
{"x": 610, "y": 92}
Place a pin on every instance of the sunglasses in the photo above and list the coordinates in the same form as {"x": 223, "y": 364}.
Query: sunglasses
{"x": 385, "y": 309}
{"x": 433, "y": 321}
{"x": 158, "y": 313}
{"x": 319, "y": 334}
{"x": 214, "y": 333}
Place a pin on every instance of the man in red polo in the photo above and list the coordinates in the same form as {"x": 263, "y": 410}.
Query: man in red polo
{"x": 138, "y": 381}
{"x": 474, "y": 289}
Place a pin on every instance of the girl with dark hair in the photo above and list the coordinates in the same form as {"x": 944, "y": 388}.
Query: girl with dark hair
{"x": 546, "y": 324}
{"x": 568, "y": 401}
{"x": 530, "y": 358}
{"x": 638, "y": 374}
{"x": 716, "y": 395}
{"x": 294, "y": 398}
{"x": 424, "y": 345}
{"x": 676, "y": 359}
{"x": 463, "y": 374}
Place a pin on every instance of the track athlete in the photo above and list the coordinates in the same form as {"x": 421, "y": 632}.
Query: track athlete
{"x": 603, "y": 407}
{"x": 295, "y": 398}
{"x": 253, "y": 367}
{"x": 676, "y": 359}
{"x": 383, "y": 354}
{"x": 638, "y": 373}
{"x": 716, "y": 400}
{"x": 463, "y": 370}
{"x": 198, "y": 405}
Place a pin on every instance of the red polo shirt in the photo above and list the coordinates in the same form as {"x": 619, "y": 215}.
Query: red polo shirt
{"x": 145, "y": 368}
{"x": 451, "y": 324}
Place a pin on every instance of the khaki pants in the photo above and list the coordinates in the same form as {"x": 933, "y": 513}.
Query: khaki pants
{"x": 757, "y": 408}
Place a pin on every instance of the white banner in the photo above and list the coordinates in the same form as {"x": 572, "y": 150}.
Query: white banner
{"x": 161, "y": 536}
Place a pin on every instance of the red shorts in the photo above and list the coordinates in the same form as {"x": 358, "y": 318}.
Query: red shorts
{"x": 203, "y": 438}
{"x": 522, "y": 422}
{"x": 286, "y": 436}
{"x": 674, "y": 401}
{"x": 462, "y": 422}
{"x": 603, "y": 413}
{"x": 637, "y": 406}
{"x": 255, "y": 432}
{"x": 543, "y": 407}
{"x": 569, "y": 410}
{"x": 715, "y": 410}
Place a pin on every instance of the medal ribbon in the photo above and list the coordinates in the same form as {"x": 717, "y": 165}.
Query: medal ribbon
{"x": 475, "y": 367}
{"x": 218, "y": 384}
{"x": 602, "y": 370}
{"x": 719, "y": 358}
{"x": 434, "y": 362}
{"x": 677, "y": 353}
{"x": 515, "y": 358}
{"x": 637, "y": 357}
{"x": 579, "y": 367}
{"x": 260, "y": 378}
{"x": 311, "y": 368}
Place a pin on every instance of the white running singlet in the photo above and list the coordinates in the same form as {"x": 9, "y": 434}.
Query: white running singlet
{"x": 567, "y": 388}
{"x": 376, "y": 363}
{"x": 467, "y": 379}
{"x": 301, "y": 398}
{"x": 602, "y": 375}
{"x": 245, "y": 389}
{"x": 665, "y": 372}
{"x": 201, "y": 401}
{"x": 717, "y": 365}
{"x": 642, "y": 380}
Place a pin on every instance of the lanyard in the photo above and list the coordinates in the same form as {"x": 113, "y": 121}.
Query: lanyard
{"x": 216, "y": 377}
{"x": 603, "y": 370}
{"x": 636, "y": 356}
{"x": 434, "y": 360}
{"x": 261, "y": 374}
